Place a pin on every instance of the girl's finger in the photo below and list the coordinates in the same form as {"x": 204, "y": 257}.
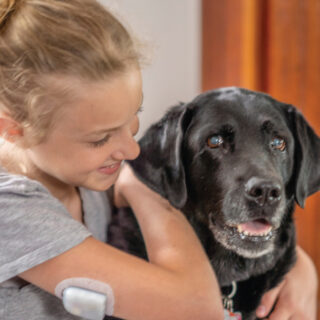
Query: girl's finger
{"x": 267, "y": 302}
{"x": 281, "y": 313}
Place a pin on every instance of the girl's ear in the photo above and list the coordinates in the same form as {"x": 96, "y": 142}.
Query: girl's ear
{"x": 10, "y": 130}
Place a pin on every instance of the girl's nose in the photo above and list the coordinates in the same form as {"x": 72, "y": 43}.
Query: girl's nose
{"x": 128, "y": 149}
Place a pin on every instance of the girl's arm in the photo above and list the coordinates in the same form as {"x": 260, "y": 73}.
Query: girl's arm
{"x": 177, "y": 283}
{"x": 296, "y": 296}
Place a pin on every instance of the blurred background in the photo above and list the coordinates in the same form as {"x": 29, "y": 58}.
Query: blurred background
{"x": 171, "y": 32}
{"x": 266, "y": 45}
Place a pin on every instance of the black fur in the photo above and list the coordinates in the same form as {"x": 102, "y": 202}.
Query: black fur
{"x": 247, "y": 177}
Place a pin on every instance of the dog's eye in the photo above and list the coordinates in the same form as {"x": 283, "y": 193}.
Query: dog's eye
{"x": 215, "y": 141}
{"x": 278, "y": 143}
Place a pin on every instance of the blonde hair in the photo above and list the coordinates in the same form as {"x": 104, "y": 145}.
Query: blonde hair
{"x": 44, "y": 38}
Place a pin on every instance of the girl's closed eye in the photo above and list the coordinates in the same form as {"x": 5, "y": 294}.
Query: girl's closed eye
{"x": 100, "y": 142}
{"x": 103, "y": 141}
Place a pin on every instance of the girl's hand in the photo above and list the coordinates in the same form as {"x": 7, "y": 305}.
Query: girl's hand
{"x": 128, "y": 186}
{"x": 296, "y": 296}
{"x": 126, "y": 179}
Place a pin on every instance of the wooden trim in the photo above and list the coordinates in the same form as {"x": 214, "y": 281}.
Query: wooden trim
{"x": 251, "y": 70}
{"x": 232, "y": 37}
{"x": 222, "y": 41}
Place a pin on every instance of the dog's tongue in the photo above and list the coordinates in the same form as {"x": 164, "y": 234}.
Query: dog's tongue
{"x": 255, "y": 227}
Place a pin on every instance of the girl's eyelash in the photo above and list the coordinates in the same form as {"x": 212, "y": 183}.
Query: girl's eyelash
{"x": 104, "y": 140}
{"x": 100, "y": 142}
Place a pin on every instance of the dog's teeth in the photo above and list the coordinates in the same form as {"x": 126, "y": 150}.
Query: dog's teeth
{"x": 269, "y": 235}
{"x": 242, "y": 236}
{"x": 245, "y": 233}
{"x": 239, "y": 227}
{"x": 244, "y": 230}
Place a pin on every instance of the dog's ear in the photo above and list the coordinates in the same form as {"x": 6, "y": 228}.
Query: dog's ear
{"x": 307, "y": 156}
{"x": 159, "y": 164}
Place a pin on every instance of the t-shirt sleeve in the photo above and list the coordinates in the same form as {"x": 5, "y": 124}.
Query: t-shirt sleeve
{"x": 34, "y": 226}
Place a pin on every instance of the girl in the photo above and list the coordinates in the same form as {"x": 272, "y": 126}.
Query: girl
{"x": 70, "y": 92}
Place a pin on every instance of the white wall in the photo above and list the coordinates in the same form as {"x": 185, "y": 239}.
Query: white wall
{"x": 173, "y": 28}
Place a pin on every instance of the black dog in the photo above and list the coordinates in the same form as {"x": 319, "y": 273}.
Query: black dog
{"x": 234, "y": 161}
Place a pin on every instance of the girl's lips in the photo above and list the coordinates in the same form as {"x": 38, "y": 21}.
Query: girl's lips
{"x": 110, "y": 169}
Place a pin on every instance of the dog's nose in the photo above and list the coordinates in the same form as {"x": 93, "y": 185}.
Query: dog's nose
{"x": 263, "y": 192}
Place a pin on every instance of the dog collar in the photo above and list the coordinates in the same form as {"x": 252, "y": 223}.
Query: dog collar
{"x": 227, "y": 301}
{"x": 228, "y": 315}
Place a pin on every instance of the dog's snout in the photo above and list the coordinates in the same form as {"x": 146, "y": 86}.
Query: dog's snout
{"x": 263, "y": 192}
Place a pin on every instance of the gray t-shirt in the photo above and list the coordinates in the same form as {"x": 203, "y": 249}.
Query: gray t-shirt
{"x": 35, "y": 227}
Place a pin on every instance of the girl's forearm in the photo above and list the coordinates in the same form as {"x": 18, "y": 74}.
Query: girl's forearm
{"x": 170, "y": 240}
{"x": 172, "y": 244}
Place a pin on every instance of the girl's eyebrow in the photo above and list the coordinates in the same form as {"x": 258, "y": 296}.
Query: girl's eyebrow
{"x": 98, "y": 132}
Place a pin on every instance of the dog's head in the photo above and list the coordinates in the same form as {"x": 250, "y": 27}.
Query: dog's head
{"x": 236, "y": 159}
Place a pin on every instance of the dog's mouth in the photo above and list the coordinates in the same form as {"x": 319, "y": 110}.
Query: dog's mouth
{"x": 255, "y": 230}
{"x": 249, "y": 238}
